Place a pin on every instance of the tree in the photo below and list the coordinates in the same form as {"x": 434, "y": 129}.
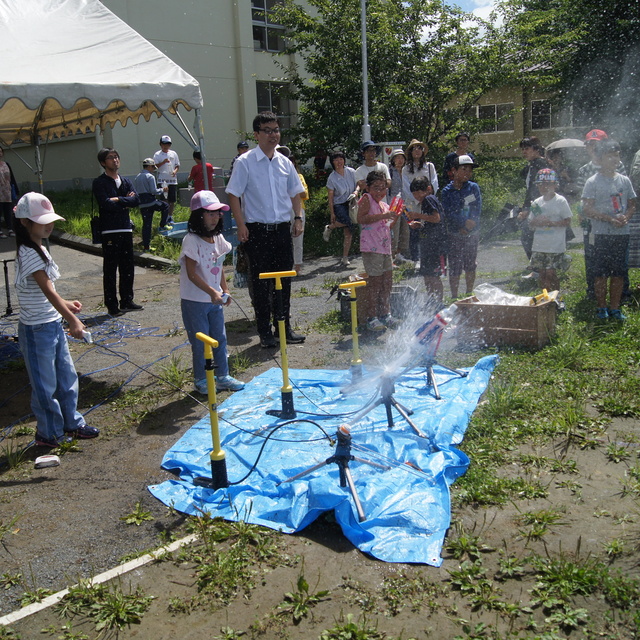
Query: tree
{"x": 586, "y": 51}
{"x": 428, "y": 65}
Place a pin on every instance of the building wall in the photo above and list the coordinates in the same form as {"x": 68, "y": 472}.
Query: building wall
{"x": 210, "y": 39}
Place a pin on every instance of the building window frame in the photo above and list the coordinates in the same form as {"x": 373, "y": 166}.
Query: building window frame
{"x": 273, "y": 96}
{"x": 499, "y": 117}
{"x": 268, "y": 35}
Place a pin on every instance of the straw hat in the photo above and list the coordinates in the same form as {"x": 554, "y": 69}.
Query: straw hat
{"x": 415, "y": 143}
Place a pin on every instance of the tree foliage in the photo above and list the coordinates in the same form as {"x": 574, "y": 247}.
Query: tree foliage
{"x": 428, "y": 64}
{"x": 586, "y": 51}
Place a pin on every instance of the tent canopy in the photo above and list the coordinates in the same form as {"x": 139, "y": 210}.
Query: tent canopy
{"x": 69, "y": 66}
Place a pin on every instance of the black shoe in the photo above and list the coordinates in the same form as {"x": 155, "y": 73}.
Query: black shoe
{"x": 295, "y": 338}
{"x": 267, "y": 341}
{"x": 114, "y": 312}
{"x": 131, "y": 306}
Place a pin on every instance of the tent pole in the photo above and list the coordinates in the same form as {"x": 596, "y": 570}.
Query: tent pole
{"x": 200, "y": 133}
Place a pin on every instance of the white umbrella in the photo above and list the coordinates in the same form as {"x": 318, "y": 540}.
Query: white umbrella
{"x": 566, "y": 143}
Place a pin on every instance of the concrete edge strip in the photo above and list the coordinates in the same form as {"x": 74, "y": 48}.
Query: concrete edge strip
{"x": 35, "y": 607}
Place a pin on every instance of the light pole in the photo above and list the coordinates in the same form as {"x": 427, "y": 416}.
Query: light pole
{"x": 366, "y": 129}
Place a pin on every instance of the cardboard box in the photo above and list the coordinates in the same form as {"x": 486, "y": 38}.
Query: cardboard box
{"x": 480, "y": 325}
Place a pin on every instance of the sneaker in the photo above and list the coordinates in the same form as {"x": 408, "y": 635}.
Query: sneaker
{"x": 534, "y": 275}
{"x": 267, "y": 341}
{"x": 130, "y": 306}
{"x": 10, "y": 233}
{"x": 52, "y": 444}
{"x": 326, "y": 234}
{"x": 389, "y": 321}
{"x": 603, "y": 313}
{"x": 417, "y": 265}
{"x": 400, "y": 258}
{"x": 84, "y": 432}
{"x": 616, "y": 314}
{"x": 345, "y": 262}
{"x": 114, "y": 312}
{"x": 375, "y": 325}
{"x": 228, "y": 383}
{"x": 3, "y": 234}
{"x": 201, "y": 386}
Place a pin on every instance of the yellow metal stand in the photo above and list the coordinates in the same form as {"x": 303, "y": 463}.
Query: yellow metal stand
{"x": 356, "y": 361}
{"x": 288, "y": 412}
{"x": 218, "y": 462}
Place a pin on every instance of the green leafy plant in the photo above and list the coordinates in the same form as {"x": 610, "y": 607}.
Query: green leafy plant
{"x": 137, "y": 516}
{"x": 174, "y": 373}
{"x": 350, "y": 630}
{"x": 299, "y": 603}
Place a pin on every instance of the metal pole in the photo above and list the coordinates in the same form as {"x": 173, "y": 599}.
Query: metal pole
{"x": 366, "y": 129}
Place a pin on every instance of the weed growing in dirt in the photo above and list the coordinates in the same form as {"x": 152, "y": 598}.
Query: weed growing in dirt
{"x": 331, "y": 323}
{"x": 347, "y": 629}
{"x": 137, "y": 516}
{"x": 107, "y": 606}
{"x": 174, "y": 372}
{"x": 12, "y": 455}
{"x": 8, "y": 527}
{"x": 8, "y": 580}
{"x": 298, "y": 603}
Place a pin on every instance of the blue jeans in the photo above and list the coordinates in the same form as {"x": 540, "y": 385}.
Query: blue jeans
{"x": 54, "y": 381}
{"x": 209, "y": 319}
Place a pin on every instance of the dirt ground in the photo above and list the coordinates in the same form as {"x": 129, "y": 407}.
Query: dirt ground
{"x": 68, "y": 519}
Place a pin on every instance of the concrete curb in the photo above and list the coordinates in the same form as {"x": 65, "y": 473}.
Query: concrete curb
{"x": 84, "y": 244}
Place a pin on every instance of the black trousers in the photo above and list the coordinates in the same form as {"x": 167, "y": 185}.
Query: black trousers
{"x": 117, "y": 257}
{"x": 269, "y": 248}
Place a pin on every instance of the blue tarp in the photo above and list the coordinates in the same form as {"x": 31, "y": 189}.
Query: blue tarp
{"x": 406, "y": 504}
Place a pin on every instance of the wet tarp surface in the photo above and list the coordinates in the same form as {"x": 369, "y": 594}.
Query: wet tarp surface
{"x": 406, "y": 502}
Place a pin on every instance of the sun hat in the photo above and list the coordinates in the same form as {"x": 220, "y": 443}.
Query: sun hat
{"x": 207, "y": 200}
{"x": 285, "y": 151}
{"x": 415, "y": 143}
{"x": 463, "y": 160}
{"x": 396, "y": 152}
{"x": 37, "y": 208}
{"x": 165, "y": 140}
{"x": 546, "y": 175}
{"x": 148, "y": 162}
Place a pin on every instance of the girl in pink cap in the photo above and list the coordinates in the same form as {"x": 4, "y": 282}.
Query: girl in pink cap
{"x": 43, "y": 342}
{"x": 203, "y": 288}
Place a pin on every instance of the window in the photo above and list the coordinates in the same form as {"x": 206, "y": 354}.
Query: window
{"x": 497, "y": 117}
{"x": 544, "y": 115}
{"x": 274, "y": 96}
{"x": 268, "y": 35}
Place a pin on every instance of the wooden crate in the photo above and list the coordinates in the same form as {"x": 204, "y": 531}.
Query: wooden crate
{"x": 498, "y": 325}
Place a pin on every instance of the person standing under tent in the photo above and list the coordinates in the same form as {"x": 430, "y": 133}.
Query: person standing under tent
{"x": 148, "y": 193}
{"x": 168, "y": 163}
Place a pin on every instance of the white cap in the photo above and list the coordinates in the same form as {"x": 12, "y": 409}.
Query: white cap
{"x": 207, "y": 200}
{"x": 165, "y": 140}
{"x": 37, "y": 208}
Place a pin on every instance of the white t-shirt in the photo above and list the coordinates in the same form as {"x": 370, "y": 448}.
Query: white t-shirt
{"x": 550, "y": 239}
{"x": 428, "y": 171}
{"x": 363, "y": 171}
{"x": 165, "y": 172}
{"x": 35, "y": 308}
{"x": 209, "y": 258}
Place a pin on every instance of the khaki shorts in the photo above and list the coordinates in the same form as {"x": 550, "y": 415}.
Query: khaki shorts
{"x": 557, "y": 261}
{"x": 376, "y": 264}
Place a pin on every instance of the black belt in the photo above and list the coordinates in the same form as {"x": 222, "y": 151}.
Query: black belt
{"x": 261, "y": 226}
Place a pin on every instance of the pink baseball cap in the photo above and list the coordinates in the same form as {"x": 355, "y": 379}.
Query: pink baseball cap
{"x": 207, "y": 200}
{"x": 37, "y": 208}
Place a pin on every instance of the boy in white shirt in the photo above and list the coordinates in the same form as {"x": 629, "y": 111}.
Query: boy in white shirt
{"x": 549, "y": 218}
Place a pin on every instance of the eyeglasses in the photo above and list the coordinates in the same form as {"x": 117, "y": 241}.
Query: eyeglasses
{"x": 270, "y": 132}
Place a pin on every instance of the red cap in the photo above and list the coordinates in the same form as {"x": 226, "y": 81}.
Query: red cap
{"x": 595, "y": 134}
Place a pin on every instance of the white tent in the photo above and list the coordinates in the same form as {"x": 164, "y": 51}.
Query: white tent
{"x": 71, "y": 66}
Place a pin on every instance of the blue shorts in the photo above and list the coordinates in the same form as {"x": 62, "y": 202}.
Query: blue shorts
{"x": 610, "y": 256}
{"x": 342, "y": 214}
